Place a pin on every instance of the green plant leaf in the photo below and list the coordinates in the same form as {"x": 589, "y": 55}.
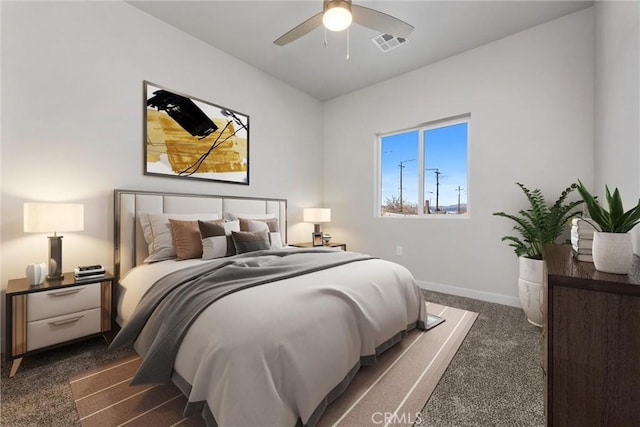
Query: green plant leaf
{"x": 540, "y": 224}
{"x": 630, "y": 219}
{"x": 615, "y": 206}
{"x": 615, "y": 220}
{"x": 596, "y": 212}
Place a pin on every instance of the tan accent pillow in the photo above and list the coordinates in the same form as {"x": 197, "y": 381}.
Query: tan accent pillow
{"x": 186, "y": 237}
{"x": 271, "y": 224}
{"x": 157, "y": 232}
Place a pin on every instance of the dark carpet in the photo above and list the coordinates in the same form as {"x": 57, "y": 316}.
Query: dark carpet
{"x": 495, "y": 379}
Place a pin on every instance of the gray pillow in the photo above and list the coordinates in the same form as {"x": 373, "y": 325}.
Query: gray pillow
{"x": 248, "y": 241}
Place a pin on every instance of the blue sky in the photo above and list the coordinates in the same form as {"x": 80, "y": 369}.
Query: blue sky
{"x": 445, "y": 149}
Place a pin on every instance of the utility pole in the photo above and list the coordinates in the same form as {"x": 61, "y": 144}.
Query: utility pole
{"x": 438, "y": 173}
{"x": 402, "y": 166}
{"x": 458, "y": 190}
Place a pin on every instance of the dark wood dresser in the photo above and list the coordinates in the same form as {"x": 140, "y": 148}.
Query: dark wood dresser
{"x": 592, "y": 327}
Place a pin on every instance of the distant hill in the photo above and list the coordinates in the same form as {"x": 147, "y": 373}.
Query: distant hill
{"x": 454, "y": 208}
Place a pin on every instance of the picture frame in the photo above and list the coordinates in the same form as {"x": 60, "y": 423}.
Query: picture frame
{"x": 317, "y": 239}
{"x": 187, "y": 137}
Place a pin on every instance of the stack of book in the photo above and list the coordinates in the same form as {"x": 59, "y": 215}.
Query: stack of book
{"x": 89, "y": 272}
{"x": 582, "y": 239}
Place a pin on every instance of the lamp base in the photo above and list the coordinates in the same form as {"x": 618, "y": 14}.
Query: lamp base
{"x": 55, "y": 258}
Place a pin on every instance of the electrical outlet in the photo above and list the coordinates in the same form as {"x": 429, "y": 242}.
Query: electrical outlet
{"x": 399, "y": 250}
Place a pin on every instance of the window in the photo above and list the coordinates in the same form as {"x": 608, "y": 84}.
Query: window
{"x": 423, "y": 171}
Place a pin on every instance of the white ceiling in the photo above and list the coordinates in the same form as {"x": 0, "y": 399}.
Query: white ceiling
{"x": 247, "y": 29}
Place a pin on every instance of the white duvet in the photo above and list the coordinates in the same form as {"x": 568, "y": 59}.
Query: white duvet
{"x": 270, "y": 354}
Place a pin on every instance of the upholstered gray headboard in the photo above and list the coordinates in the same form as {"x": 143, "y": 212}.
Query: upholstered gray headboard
{"x": 130, "y": 248}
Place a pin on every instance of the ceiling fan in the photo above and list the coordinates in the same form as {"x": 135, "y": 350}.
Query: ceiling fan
{"x": 337, "y": 15}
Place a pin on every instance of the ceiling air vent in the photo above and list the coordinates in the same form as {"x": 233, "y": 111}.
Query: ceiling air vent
{"x": 386, "y": 42}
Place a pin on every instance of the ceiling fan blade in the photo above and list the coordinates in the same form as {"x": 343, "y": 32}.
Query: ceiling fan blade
{"x": 310, "y": 24}
{"x": 380, "y": 21}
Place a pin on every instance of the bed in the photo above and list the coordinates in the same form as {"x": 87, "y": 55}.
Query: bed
{"x": 276, "y": 333}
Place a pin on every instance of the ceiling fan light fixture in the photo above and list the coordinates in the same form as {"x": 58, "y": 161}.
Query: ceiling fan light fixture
{"x": 337, "y": 15}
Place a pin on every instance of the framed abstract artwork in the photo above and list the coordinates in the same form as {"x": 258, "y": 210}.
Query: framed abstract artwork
{"x": 187, "y": 137}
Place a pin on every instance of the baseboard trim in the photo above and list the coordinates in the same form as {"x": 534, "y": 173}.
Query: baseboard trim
{"x": 469, "y": 293}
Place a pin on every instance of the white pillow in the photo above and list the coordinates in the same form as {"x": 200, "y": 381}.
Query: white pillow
{"x": 276, "y": 240}
{"x": 157, "y": 232}
{"x": 214, "y": 247}
{"x": 230, "y": 226}
{"x": 229, "y": 216}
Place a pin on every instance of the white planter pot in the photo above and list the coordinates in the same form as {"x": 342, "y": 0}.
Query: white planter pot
{"x": 612, "y": 252}
{"x": 531, "y": 283}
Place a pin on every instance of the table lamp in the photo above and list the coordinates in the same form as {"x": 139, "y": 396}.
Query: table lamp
{"x": 53, "y": 217}
{"x": 316, "y": 216}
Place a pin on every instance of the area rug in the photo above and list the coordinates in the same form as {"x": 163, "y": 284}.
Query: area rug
{"x": 392, "y": 392}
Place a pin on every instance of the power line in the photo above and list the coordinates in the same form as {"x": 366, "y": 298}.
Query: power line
{"x": 402, "y": 166}
{"x": 438, "y": 173}
{"x": 459, "y": 190}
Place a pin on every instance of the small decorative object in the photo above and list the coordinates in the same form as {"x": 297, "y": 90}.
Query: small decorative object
{"x": 53, "y": 217}
{"x": 36, "y": 273}
{"x": 191, "y": 138}
{"x": 316, "y": 216}
{"x": 87, "y": 272}
{"x": 539, "y": 225}
{"x": 582, "y": 239}
{"x": 326, "y": 238}
{"x": 612, "y": 246}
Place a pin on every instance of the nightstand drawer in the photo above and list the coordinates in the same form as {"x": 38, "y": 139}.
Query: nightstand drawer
{"x": 54, "y": 330}
{"x": 55, "y": 313}
{"x": 56, "y": 302}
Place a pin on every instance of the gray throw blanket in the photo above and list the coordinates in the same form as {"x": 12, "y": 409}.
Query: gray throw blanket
{"x": 165, "y": 313}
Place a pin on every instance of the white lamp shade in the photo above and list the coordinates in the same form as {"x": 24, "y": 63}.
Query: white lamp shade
{"x": 316, "y": 215}
{"x": 53, "y": 217}
{"x": 337, "y": 18}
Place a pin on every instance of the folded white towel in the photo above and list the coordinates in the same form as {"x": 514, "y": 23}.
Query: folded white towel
{"x": 581, "y": 242}
{"x": 584, "y": 257}
{"x": 582, "y": 224}
{"x": 582, "y": 233}
{"x": 585, "y": 251}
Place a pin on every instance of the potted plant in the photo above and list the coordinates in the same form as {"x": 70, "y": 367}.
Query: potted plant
{"x": 612, "y": 246}
{"x": 538, "y": 225}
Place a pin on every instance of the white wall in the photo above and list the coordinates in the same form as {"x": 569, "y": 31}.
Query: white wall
{"x": 530, "y": 96}
{"x": 617, "y": 102}
{"x": 72, "y": 121}
{"x": 72, "y": 77}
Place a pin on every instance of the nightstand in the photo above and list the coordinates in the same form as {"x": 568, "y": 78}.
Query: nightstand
{"x": 328, "y": 245}
{"x": 56, "y": 313}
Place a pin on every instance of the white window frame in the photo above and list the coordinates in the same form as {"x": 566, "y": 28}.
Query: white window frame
{"x": 435, "y": 124}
